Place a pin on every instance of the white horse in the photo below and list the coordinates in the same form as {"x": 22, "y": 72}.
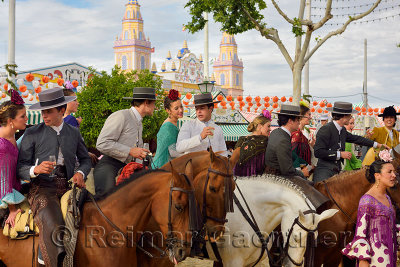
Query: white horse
{"x": 273, "y": 200}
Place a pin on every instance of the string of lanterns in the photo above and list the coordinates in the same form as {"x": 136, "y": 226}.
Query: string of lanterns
{"x": 42, "y": 82}
{"x": 257, "y": 104}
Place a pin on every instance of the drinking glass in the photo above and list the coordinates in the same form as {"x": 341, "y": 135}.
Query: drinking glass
{"x": 52, "y": 158}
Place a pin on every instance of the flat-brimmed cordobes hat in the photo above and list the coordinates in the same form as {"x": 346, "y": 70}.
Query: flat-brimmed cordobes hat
{"x": 203, "y": 99}
{"x": 342, "y": 108}
{"x": 143, "y": 93}
{"x": 52, "y": 98}
{"x": 389, "y": 112}
{"x": 289, "y": 110}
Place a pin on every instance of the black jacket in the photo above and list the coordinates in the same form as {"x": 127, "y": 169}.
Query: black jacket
{"x": 329, "y": 142}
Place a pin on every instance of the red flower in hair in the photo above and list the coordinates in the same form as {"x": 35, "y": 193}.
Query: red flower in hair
{"x": 173, "y": 95}
{"x": 15, "y": 97}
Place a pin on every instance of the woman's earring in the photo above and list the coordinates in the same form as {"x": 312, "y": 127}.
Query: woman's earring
{"x": 12, "y": 126}
{"x": 377, "y": 184}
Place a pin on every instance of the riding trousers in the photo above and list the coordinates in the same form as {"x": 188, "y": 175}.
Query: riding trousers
{"x": 44, "y": 198}
{"x": 104, "y": 174}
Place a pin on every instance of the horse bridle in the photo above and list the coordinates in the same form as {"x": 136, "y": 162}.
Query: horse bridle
{"x": 228, "y": 193}
{"x": 171, "y": 240}
{"x": 192, "y": 206}
{"x": 297, "y": 221}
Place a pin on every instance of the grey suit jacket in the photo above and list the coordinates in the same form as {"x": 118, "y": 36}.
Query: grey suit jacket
{"x": 41, "y": 141}
{"x": 120, "y": 133}
{"x": 278, "y": 154}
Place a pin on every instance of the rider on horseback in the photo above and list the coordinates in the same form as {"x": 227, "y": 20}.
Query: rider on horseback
{"x": 54, "y": 146}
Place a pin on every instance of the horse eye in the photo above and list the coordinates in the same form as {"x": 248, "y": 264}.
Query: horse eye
{"x": 179, "y": 208}
{"x": 213, "y": 189}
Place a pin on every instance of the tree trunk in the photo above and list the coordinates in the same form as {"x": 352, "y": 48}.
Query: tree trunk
{"x": 296, "y": 84}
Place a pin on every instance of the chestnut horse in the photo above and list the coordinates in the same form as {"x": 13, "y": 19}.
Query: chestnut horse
{"x": 161, "y": 195}
{"x": 335, "y": 233}
{"x": 210, "y": 172}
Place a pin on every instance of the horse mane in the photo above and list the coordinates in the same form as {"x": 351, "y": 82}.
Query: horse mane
{"x": 342, "y": 176}
{"x": 135, "y": 176}
{"x": 277, "y": 180}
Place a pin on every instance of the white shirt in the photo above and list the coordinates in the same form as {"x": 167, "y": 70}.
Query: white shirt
{"x": 286, "y": 130}
{"x": 189, "y": 139}
{"x": 137, "y": 114}
{"x": 60, "y": 158}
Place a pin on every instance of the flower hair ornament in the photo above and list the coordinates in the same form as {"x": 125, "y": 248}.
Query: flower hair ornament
{"x": 385, "y": 156}
{"x": 15, "y": 97}
{"x": 173, "y": 95}
{"x": 266, "y": 114}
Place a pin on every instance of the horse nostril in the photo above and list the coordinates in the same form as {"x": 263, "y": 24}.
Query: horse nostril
{"x": 180, "y": 254}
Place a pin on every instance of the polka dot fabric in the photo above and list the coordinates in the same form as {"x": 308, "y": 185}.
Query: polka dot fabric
{"x": 375, "y": 237}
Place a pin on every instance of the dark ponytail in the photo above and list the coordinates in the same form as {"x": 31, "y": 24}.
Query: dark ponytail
{"x": 376, "y": 167}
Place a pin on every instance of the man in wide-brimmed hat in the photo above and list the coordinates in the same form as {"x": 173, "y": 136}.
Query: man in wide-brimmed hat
{"x": 278, "y": 155}
{"x": 47, "y": 158}
{"x": 387, "y": 134}
{"x": 331, "y": 142}
{"x": 120, "y": 140}
{"x": 201, "y": 133}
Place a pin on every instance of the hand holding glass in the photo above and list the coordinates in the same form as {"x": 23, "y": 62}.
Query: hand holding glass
{"x": 52, "y": 158}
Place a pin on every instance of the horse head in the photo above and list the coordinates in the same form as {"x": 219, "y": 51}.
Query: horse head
{"x": 297, "y": 230}
{"x": 178, "y": 225}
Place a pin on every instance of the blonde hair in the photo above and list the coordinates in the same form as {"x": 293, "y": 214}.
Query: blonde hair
{"x": 260, "y": 120}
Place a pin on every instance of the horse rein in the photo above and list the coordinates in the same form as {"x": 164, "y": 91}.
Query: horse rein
{"x": 171, "y": 240}
{"x": 349, "y": 220}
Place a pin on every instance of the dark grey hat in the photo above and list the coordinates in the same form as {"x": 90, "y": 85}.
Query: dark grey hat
{"x": 52, "y": 98}
{"x": 143, "y": 93}
{"x": 204, "y": 99}
{"x": 290, "y": 110}
{"x": 340, "y": 107}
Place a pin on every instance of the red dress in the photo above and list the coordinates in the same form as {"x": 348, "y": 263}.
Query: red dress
{"x": 301, "y": 146}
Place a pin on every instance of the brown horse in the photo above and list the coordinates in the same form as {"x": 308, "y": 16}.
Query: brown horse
{"x": 158, "y": 194}
{"x": 335, "y": 233}
{"x": 209, "y": 171}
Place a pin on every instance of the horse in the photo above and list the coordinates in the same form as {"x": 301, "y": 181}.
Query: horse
{"x": 273, "y": 200}
{"x": 164, "y": 196}
{"x": 345, "y": 191}
{"x": 212, "y": 174}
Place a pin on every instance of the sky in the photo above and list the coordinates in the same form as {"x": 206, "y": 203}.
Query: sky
{"x": 52, "y": 32}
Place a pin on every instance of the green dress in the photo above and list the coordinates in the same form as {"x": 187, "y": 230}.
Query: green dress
{"x": 166, "y": 136}
{"x": 354, "y": 163}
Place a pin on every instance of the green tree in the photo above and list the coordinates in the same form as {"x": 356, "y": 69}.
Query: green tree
{"x": 104, "y": 94}
{"x": 237, "y": 16}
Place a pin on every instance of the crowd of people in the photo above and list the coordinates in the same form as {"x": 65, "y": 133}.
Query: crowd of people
{"x": 52, "y": 153}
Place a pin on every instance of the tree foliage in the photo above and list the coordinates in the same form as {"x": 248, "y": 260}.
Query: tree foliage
{"x": 104, "y": 94}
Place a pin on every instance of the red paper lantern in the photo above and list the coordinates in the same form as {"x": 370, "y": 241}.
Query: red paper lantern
{"x": 45, "y": 79}
{"x": 23, "y": 88}
{"x": 75, "y": 83}
{"x": 223, "y": 103}
{"x": 329, "y": 105}
{"x": 188, "y": 95}
{"x": 370, "y": 110}
{"x": 241, "y": 104}
{"x": 322, "y": 104}
{"x": 283, "y": 99}
{"x": 38, "y": 89}
{"x": 5, "y": 87}
{"x": 319, "y": 110}
{"x": 29, "y": 77}
{"x": 60, "y": 82}
{"x": 275, "y": 99}
{"x": 266, "y": 99}
{"x": 257, "y": 99}
{"x": 315, "y": 103}
{"x": 376, "y": 110}
{"x": 215, "y": 105}
{"x": 232, "y": 104}
{"x": 248, "y": 99}
{"x": 250, "y": 104}
{"x": 239, "y": 98}
{"x": 220, "y": 97}
{"x": 358, "y": 109}
{"x": 290, "y": 99}
{"x": 312, "y": 110}
{"x": 275, "y": 105}
{"x": 229, "y": 98}
{"x": 266, "y": 104}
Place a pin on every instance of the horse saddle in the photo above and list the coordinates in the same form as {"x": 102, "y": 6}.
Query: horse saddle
{"x": 24, "y": 226}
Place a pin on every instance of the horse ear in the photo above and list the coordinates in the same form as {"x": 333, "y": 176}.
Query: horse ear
{"x": 173, "y": 171}
{"x": 189, "y": 169}
{"x": 326, "y": 215}
{"x": 212, "y": 155}
{"x": 235, "y": 157}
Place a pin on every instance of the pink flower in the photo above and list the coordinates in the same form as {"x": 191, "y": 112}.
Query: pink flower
{"x": 385, "y": 155}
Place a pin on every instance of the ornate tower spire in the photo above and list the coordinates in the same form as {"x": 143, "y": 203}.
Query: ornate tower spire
{"x": 228, "y": 68}
{"x": 131, "y": 49}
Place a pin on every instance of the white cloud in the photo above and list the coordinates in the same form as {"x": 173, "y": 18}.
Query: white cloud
{"x": 50, "y": 32}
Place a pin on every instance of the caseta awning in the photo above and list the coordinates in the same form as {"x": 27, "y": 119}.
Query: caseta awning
{"x": 34, "y": 117}
{"x": 232, "y": 132}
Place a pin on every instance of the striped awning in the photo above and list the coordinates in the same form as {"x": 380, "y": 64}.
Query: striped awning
{"x": 34, "y": 117}
{"x": 232, "y": 132}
